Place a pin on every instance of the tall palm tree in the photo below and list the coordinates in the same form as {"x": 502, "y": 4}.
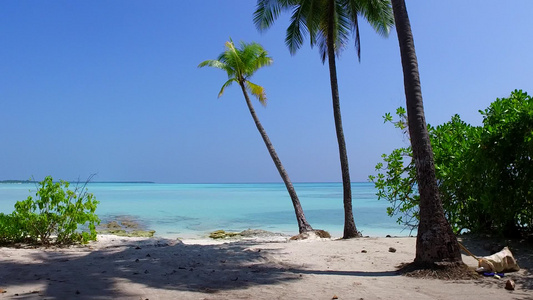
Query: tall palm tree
{"x": 240, "y": 64}
{"x": 435, "y": 239}
{"x": 329, "y": 24}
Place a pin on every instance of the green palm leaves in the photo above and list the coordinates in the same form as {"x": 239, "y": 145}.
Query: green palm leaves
{"x": 311, "y": 17}
{"x": 240, "y": 64}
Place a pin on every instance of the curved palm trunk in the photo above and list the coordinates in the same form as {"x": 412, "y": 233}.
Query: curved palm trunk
{"x": 303, "y": 225}
{"x": 435, "y": 239}
{"x": 350, "y": 231}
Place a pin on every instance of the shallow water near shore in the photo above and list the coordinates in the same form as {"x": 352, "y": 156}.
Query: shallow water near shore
{"x": 194, "y": 210}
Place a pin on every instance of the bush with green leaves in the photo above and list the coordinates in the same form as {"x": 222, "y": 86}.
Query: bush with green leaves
{"x": 484, "y": 173}
{"x": 10, "y": 230}
{"x": 55, "y": 215}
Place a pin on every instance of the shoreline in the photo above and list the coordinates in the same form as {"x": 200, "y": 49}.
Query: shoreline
{"x": 155, "y": 268}
{"x": 134, "y": 224}
{"x": 276, "y": 235}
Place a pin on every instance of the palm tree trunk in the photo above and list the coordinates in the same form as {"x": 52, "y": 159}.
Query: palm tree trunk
{"x": 303, "y": 225}
{"x": 350, "y": 231}
{"x": 435, "y": 239}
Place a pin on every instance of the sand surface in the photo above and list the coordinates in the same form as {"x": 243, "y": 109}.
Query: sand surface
{"x": 141, "y": 268}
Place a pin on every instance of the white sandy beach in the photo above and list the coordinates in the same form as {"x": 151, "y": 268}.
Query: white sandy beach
{"x": 143, "y": 268}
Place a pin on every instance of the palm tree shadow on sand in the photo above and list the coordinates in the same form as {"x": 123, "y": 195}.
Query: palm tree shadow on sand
{"x": 151, "y": 268}
{"x": 180, "y": 267}
{"x": 167, "y": 268}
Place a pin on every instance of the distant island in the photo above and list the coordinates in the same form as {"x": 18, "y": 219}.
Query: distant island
{"x": 71, "y": 181}
{"x": 17, "y": 181}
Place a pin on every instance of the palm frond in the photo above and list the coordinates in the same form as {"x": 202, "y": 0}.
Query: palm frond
{"x": 357, "y": 37}
{"x": 353, "y": 8}
{"x": 378, "y": 13}
{"x": 322, "y": 42}
{"x": 253, "y": 57}
{"x": 213, "y": 63}
{"x": 297, "y": 28}
{"x": 262, "y": 60}
{"x": 258, "y": 91}
{"x": 267, "y": 11}
{"x": 219, "y": 64}
{"x": 225, "y": 85}
{"x": 343, "y": 27}
{"x": 310, "y": 12}
{"x": 233, "y": 58}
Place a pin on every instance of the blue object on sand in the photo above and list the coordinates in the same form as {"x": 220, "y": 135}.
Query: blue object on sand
{"x": 492, "y": 274}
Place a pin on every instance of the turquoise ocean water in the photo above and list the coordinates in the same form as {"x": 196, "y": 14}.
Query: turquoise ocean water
{"x": 193, "y": 210}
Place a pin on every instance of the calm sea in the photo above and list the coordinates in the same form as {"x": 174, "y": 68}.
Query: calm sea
{"x": 193, "y": 210}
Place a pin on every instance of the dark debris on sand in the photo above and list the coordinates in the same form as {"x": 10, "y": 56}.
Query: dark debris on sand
{"x": 442, "y": 271}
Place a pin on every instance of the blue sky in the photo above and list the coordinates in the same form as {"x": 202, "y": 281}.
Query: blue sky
{"x": 113, "y": 88}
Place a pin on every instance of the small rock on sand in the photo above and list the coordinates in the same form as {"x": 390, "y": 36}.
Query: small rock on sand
{"x": 510, "y": 285}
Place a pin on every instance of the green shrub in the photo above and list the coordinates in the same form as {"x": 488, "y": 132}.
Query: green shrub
{"x": 506, "y": 155}
{"x": 55, "y": 214}
{"x": 10, "y": 230}
{"x": 484, "y": 173}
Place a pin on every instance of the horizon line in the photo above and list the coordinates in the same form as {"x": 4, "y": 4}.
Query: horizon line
{"x": 155, "y": 182}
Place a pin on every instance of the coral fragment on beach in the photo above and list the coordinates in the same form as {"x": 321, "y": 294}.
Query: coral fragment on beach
{"x": 124, "y": 226}
{"x": 221, "y": 234}
{"x": 314, "y": 234}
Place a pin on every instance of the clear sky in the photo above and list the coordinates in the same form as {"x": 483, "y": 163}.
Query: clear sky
{"x": 113, "y": 88}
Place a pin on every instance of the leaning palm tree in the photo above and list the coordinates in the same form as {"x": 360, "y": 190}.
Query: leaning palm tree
{"x": 329, "y": 24}
{"x": 240, "y": 64}
{"x": 435, "y": 239}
